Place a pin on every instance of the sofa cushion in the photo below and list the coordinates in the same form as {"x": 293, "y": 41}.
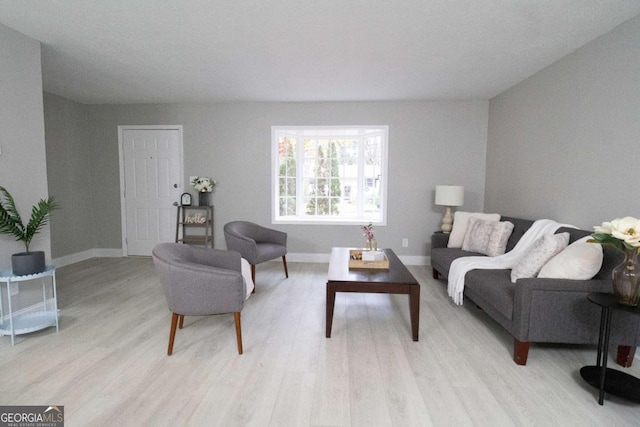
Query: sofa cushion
{"x": 441, "y": 258}
{"x": 461, "y": 223}
{"x": 578, "y": 261}
{"x": 542, "y": 250}
{"x": 520, "y": 226}
{"x": 487, "y": 237}
{"x": 494, "y": 286}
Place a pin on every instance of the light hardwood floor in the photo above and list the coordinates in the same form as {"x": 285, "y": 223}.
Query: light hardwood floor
{"x": 108, "y": 364}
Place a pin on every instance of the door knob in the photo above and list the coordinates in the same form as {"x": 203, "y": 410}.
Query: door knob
{"x": 175, "y": 185}
{"x": 175, "y": 203}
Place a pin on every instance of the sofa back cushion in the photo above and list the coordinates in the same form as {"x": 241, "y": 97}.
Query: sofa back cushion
{"x": 611, "y": 256}
{"x": 520, "y": 226}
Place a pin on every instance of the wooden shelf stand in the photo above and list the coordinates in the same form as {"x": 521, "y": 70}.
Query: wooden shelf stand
{"x": 194, "y": 225}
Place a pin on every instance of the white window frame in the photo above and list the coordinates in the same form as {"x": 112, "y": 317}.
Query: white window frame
{"x": 276, "y": 131}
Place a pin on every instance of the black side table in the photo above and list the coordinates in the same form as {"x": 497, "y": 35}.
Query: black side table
{"x": 607, "y": 379}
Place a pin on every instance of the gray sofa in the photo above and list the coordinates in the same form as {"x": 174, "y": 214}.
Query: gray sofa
{"x": 542, "y": 310}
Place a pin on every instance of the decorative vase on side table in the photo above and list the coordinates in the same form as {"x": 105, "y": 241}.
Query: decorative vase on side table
{"x": 626, "y": 279}
{"x": 371, "y": 244}
{"x": 623, "y": 234}
{"x": 203, "y": 198}
{"x": 204, "y": 185}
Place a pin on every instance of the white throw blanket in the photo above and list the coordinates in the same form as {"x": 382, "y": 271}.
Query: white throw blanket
{"x": 460, "y": 266}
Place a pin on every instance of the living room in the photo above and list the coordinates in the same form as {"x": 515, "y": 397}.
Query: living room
{"x": 554, "y": 145}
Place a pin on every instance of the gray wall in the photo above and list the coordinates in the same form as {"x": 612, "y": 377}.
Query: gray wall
{"x": 23, "y": 169}
{"x": 70, "y": 162}
{"x": 561, "y": 144}
{"x": 565, "y": 143}
{"x": 430, "y": 143}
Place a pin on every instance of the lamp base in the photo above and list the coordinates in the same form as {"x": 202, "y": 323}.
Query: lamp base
{"x": 447, "y": 221}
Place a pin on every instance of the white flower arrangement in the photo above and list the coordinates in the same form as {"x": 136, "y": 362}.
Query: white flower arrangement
{"x": 203, "y": 184}
{"x": 623, "y": 233}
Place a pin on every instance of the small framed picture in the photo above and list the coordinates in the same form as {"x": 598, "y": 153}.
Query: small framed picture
{"x": 185, "y": 199}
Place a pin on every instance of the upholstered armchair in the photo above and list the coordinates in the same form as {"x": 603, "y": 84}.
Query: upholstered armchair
{"x": 256, "y": 244}
{"x": 200, "y": 281}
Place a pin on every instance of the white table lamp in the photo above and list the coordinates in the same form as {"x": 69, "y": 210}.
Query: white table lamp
{"x": 449, "y": 196}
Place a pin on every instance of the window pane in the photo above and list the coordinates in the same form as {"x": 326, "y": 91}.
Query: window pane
{"x": 341, "y": 171}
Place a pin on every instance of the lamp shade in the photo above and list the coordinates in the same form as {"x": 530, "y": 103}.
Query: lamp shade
{"x": 449, "y": 195}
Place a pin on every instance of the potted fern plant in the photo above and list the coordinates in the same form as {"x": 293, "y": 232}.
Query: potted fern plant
{"x": 28, "y": 262}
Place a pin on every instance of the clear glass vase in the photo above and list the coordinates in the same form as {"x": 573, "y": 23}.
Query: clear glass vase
{"x": 626, "y": 279}
{"x": 372, "y": 245}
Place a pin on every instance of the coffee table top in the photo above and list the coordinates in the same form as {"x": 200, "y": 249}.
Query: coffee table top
{"x": 339, "y": 270}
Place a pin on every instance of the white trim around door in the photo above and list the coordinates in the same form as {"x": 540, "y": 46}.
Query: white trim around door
{"x": 177, "y": 187}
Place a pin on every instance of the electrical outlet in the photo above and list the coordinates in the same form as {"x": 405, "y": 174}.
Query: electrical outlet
{"x": 15, "y": 289}
{"x": 405, "y": 243}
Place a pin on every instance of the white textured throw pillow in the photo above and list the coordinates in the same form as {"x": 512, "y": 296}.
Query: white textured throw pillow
{"x": 542, "y": 250}
{"x": 578, "y": 261}
{"x": 487, "y": 237}
{"x": 461, "y": 223}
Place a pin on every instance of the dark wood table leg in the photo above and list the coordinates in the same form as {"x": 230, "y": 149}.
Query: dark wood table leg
{"x": 414, "y": 307}
{"x": 331, "y": 300}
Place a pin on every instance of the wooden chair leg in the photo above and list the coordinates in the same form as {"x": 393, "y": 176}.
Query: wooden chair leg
{"x": 520, "y": 351}
{"x": 284, "y": 261}
{"x": 181, "y": 323}
{"x": 625, "y": 355}
{"x": 236, "y": 317}
{"x": 253, "y": 277}
{"x": 172, "y": 333}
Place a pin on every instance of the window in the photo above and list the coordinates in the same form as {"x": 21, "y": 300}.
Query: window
{"x": 329, "y": 174}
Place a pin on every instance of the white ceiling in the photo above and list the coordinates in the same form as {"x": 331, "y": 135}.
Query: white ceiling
{"x": 148, "y": 51}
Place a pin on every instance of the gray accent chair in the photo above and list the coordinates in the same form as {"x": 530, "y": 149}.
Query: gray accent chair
{"x": 200, "y": 281}
{"x": 256, "y": 244}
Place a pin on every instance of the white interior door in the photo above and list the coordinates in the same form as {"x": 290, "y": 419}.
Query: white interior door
{"x": 151, "y": 177}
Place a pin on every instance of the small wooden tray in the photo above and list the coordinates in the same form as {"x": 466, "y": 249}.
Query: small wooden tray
{"x": 356, "y": 262}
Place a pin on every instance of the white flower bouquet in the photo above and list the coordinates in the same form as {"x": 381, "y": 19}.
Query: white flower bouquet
{"x": 203, "y": 184}
{"x": 623, "y": 233}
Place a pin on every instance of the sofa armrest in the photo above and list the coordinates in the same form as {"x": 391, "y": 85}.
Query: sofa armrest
{"x": 552, "y": 310}
{"x": 439, "y": 240}
{"x": 568, "y": 285}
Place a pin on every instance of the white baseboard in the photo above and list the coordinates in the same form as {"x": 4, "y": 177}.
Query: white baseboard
{"x": 415, "y": 260}
{"x": 85, "y": 255}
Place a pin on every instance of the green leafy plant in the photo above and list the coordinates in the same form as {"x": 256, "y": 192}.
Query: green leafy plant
{"x": 11, "y": 223}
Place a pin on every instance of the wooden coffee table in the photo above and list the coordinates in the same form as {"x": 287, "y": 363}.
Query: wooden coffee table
{"x": 396, "y": 280}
